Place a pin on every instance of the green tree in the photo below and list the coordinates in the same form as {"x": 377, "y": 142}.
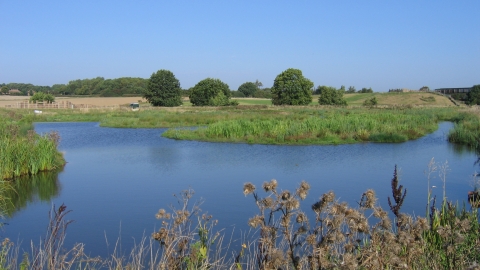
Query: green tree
{"x": 248, "y": 89}
{"x": 321, "y": 88}
{"x": 41, "y": 97}
{"x": 163, "y": 89}
{"x": 211, "y": 92}
{"x": 291, "y": 88}
{"x": 259, "y": 84}
{"x": 331, "y": 96}
{"x": 4, "y": 89}
{"x": 473, "y": 97}
{"x": 365, "y": 90}
{"x": 351, "y": 89}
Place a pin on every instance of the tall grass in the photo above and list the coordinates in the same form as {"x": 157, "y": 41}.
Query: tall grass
{"x": 29, "y": 153}
{"x": 330, "y": 127}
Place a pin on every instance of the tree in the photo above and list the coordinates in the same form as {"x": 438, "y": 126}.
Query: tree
{"x": 41, "y": 97}
{"x": 321, "y": 88}
{"x": 248, "y": 89}
{"x": 365, "y": 90}
{"x": 163, "y": 89}
{"x": 291, "y": 88}
{"x": 473, "y": 97}
{"x": 424, "y": 89}
{"x": 4, "y": 90}
{"x": 211, "y": 92}
{"x": 259, "y": 84}
{"x": 351, "y": 89}
{"x": 330, "y": 96}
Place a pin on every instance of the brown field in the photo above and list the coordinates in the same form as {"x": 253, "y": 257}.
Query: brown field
{"x": 96, "y": 101}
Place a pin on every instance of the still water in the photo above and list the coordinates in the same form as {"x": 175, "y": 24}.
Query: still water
{"x": 116, "y": 180}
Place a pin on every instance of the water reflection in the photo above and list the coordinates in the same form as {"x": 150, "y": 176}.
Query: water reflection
{"x": 42, "y": 187}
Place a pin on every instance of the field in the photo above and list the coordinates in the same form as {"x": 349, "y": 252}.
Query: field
{"x": 413, "y": 98}
{"x": 96, "y": 101}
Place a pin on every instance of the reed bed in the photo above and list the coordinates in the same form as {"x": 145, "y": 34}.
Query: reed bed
{"x": 29, "y": 153}
{"x": 328, "y": 127}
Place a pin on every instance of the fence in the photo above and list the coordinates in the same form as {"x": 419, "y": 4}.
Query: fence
{"x": 58, "y": 105}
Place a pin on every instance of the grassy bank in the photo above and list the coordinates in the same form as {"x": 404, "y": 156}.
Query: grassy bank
{"x": 22, "y": 151}
{"x": 283, "y": 125}
{"x": 324, "y": 126}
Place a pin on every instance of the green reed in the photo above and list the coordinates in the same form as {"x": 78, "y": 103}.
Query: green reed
{"x": 29, "y": 153}
{"x": 321, "y": 127}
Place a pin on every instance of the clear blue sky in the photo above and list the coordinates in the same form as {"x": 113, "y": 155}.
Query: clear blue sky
{"x": 378, "y": 44}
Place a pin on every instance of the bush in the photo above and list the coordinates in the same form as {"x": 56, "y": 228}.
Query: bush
{"x": 211, "y": 92}
{"x": 370, "y": 102}
{"x": 41, "y": 97}
{"x": 330, "y": 96}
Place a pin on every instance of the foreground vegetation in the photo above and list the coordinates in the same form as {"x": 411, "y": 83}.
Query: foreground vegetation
{"x": 333, "y": 235}
{"x": 22, "y": 151}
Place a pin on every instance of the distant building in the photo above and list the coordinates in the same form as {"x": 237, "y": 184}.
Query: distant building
{"x": 14, "y": 92}
{"x": 453, "y": 90}
{"x": 403, "y": 90}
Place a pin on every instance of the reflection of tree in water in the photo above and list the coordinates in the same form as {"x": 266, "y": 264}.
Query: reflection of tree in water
{"x": 29, "y": 189}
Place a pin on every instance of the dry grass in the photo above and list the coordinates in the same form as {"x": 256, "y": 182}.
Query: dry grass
{"x": 96, "y": 101}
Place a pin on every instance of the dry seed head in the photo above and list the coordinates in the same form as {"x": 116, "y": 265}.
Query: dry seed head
{"x": 162, "y": 214}
{"x": 255, "y": 221}
{"x": 386, "y": 224}
{"x": 311, "y": 240}
{"x": 292, "y": 204}
{"x": 369, "y": 199}
{"x": 379, "y": 213}
{"x": 328, "y": 197}
{"x": 286, "y": 195}
{"x": 248, "y": 188}
{"x": 422, "y": 224}
{"x": 268, "y": 202}
{"x": 301, "y": 218}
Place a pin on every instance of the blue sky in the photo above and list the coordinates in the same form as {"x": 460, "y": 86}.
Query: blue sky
{"x": 378, "y": 44}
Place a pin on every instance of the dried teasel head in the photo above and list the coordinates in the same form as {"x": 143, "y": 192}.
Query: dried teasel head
{"x": 301, "y": 218}
{"x": 162, "y": 214}
{"x": 292, "y": 204}
{"x": 248, "y": 188}
{"x": 303, "y": 189}
{"x": 270, "y": 186}
{"x": 368, "y": 199}
{"x": 255, "y": 221}
{"x": 286, "y": 195}
{"x": 268, "y": 202}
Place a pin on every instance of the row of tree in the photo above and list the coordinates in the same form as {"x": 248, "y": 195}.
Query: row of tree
{"x": 289, "y": 88}
{"x": 97, "y": 86}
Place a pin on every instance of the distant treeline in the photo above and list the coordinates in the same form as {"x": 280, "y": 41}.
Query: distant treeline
{"x": 100, "y": 86}
{"x": 97, "y": 86}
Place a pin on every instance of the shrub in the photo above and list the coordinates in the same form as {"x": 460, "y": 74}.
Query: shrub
{"x": 41, "y": 97}
{"x": 211, "y": 92}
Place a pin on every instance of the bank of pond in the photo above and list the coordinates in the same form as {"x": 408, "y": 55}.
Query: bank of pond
{"x": 290, "y": 229}
{"x": 24, "y": 152}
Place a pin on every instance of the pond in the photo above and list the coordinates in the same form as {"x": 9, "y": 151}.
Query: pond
{"x": 116, "y": 180}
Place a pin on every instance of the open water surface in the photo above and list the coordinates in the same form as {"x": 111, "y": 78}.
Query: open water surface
{"x": 116, "y": 180}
